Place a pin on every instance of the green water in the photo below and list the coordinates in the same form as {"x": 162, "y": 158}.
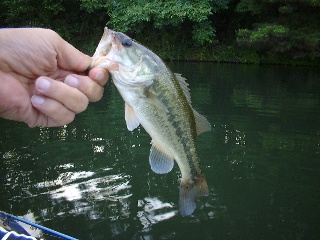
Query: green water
{"x": 92, "y": 180}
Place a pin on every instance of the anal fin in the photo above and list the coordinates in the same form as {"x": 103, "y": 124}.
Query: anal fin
{"x": 160, "y": 161}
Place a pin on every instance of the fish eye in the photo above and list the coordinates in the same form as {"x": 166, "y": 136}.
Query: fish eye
{"x": 127, "y": 42}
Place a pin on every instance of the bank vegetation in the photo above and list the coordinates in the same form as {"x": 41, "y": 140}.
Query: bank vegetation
{"x": 238, "y": 31}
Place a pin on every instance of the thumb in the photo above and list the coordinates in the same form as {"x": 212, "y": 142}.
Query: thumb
{"x": 70, "y": 58}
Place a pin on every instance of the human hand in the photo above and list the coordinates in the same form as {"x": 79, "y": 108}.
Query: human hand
{"x": 41, "y": 78}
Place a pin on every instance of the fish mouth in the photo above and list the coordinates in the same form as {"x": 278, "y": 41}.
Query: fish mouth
{"x": 101, "y": 56}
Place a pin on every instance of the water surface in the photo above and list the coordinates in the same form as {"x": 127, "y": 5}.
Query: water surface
{"x": 92, "y": 180}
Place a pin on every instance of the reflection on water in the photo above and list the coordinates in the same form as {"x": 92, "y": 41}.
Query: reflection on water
{"x": 95, "y": 189}
{"x": 261, "y": 161}
{"x": 154, "y": 211}
{"x": 82, "y": 189}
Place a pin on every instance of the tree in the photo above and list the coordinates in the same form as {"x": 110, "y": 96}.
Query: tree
{"x": 137, "y": 15}
{"x": 64, "y": 16}
{"x": 290, "y": 27}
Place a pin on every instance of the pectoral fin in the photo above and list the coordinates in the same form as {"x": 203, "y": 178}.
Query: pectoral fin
{"x": 154, "y": 100}
{"x": 160, "y": 161}
{"x": 131, "y": 118}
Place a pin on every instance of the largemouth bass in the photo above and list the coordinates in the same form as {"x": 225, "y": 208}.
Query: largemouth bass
{"x": 159, "y": 100}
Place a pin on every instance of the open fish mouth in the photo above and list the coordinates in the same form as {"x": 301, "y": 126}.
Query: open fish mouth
{"x": 108, "y": 52}
{"x": 101, "y": 56}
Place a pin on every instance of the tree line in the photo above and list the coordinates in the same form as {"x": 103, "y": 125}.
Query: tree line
{"x": 247, "y": 31}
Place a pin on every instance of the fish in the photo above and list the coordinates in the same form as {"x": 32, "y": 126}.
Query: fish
{"x": 158, "y": 100}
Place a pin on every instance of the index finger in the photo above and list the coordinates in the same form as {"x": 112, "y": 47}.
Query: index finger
{"x": 68, "y": 56}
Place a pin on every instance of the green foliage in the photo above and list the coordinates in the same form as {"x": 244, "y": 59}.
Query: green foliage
{"x": 305, "y": 43}
{"x": 271, "y": 38}
{"x": 250, "y": 6}
{"x": 290, "y": 28}
{"x": 248, "y": 31}
{"x": 265, "y": 7}
{"x": 64, "y": 16}
{"x": 203, "y": 32}
{"x": 30, "y": 12}
{"x": 264, "y": 34}
{"x": 125, "y": 14}
{"x": 93, "y": 5}
{"x": 128, "y": 15}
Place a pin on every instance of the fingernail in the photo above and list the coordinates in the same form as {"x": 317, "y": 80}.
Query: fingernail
{"x": 42, "y": 83}
{"x": 37, "y": 100}
{"x": 99, "y": 76}
{"x": 71, "y": 81}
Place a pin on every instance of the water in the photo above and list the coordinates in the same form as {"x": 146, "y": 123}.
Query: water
{"x": 91, "y": 179}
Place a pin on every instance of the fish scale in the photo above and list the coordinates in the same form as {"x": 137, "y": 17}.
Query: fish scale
{"x": 178, "y": 121}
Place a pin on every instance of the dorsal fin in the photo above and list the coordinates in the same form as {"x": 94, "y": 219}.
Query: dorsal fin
{"x": 202, "y": 123}
{"x": 184, "y": 86}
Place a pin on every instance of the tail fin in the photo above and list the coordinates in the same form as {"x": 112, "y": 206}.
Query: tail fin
{"x": 189, "y": 193}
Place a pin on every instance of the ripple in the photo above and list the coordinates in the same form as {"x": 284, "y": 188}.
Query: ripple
{"x": 154, "y": 211}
